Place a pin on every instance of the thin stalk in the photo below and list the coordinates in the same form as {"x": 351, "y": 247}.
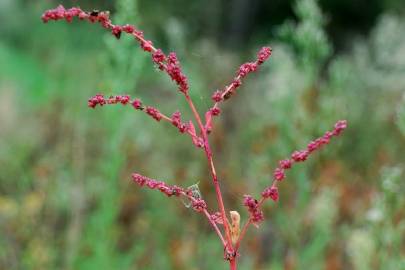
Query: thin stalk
{"x": 246, "y": 226}
{"x": 227, "y": 90}
{"x": 214, "y": 225}
{"x": 242, "y": 234}
{"x": 208, "y": 154}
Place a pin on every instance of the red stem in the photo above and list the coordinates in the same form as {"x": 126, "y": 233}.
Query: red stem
{"x": 232, "y": 264}
{"x": 227, "y": 90}
{"x": 208, "y": 154}
{"x": 214, "y": 225}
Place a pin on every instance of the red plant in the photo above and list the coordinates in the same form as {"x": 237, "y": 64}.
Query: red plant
{"x": 228, "y": 231}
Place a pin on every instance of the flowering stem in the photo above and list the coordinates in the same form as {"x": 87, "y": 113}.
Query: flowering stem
{"x": 227, "y": 90}
{"x": 217, "y": 190}
{"x": 195, "y": 113}
{"x": 232, "y": 264}
{"x": 208, "y": 153}
{"x": 171, "y": 65}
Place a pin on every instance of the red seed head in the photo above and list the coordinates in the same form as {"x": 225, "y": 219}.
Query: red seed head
{"x": 339, "y": 127}
{"x": 279, "y": 174}
{"x": 147, "y": 45}
{"x": 263, "y": 55}
{"x": 246, "y": 68}
{"x": 285, "y": 163}
{"x": 154, "y": 113}
{"x": 271, "y": 192}
{"x": 116, "y": 31}
{"x": 128, "y": 28}
{"x": 199, "y": 205}
{"x": 217, "y": 96}
{"x": 137, "y": 104}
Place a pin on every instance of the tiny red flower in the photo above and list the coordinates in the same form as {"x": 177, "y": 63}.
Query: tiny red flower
{"x": 199, "y": 205}
{"x": 159, "y": 58}
{"x": 271, "y": 192}
{"x": 154, "y": 113}
{"x": 116, "y": 31}
{"x": 217, "y": 96}
{"x": 299, "y": 156}
{"x": 128, "y": 28}
{"x": 215, "y": 111}
{"x": 137, "y": 104}
{"x": 285, "y": 164}
{"x": 256, "y": 215}
{"x": 279, "y": 174}
{"x": 339, "y": 127}
{"x": 263, "y": 55}
{"x": 246, "y": 68}
{"x": 147, "y": 45}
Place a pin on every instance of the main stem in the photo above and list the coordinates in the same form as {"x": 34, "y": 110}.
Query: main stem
{"x": 232, "y": 264}
{"x": 208, "y": 154}
{"x": 207, "y": 151}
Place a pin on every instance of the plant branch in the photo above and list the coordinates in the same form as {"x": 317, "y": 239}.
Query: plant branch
{"x": 208, "y": 153}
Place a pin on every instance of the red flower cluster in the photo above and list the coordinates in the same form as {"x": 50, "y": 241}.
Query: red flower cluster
{"x": 154, "y": 113}
{"x": 246, "y": 68}
{"x": 174, "y": 70}
{"x": 159, "y": 58}
{"x": 176, "y": 121}
{"x": 96, "y": 100}
{"x": 217, "y": 96}
{"x": 243, "y": 71}
{"x": 151, "y": 111}
{"x": 159, "y": 185}
{"x": 285, "y": 163}
{"x": 299, "y": 156}
{"x": 100, "y": 100}
{"x": 199, "y": 205}
{"x": 256, "y": 215}
{"x": 61, "y": 13}
{"x": 271, "y": 192}
{"x": 124, "y": 100}
{"x": 170, "y": 64}
{"x": 217, "y": 218}
{"x": 279, "y": 173}
{"x": 137, "y": 104}
{"x": 103, "y": 18}
{"x": 263, "y": 55}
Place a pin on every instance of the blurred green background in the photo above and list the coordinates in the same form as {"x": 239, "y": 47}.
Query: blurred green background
{"x": 66, "y": 199}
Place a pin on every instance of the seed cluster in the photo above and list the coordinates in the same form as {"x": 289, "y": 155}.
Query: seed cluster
{"x": 271, "y": 192}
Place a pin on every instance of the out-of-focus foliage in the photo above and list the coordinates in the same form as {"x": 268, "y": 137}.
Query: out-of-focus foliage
{"x": 401, "y": 116}
{"x": 66, "y": 201}
{"x": 308, "y": 38}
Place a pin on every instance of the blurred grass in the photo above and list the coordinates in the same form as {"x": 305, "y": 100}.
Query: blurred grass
{"x": 66, "y": 201}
